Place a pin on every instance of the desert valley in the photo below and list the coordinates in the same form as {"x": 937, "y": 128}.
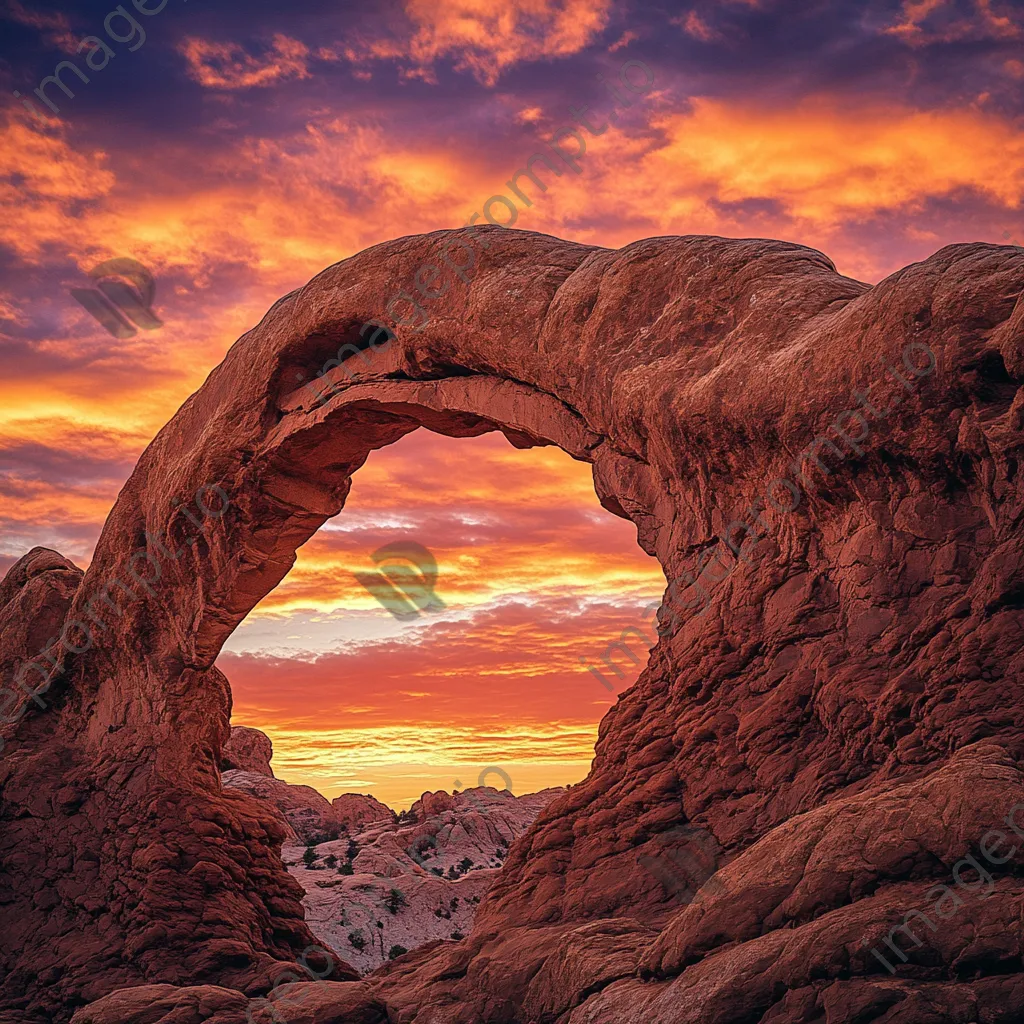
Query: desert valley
{"x": 378, "y": 884}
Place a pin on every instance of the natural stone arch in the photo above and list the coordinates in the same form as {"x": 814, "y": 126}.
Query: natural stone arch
{"x": 689, "y": 371}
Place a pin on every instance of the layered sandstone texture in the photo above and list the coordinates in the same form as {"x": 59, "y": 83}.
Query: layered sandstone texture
{"x": 840, "y": 712}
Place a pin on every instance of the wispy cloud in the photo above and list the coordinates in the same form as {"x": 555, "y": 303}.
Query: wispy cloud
{"x": 229, "y": 66}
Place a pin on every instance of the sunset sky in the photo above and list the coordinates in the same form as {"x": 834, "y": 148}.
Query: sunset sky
{"x": 240, "y": 149}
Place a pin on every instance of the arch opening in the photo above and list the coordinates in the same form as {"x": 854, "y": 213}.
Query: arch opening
{"x": 444, "y": 712}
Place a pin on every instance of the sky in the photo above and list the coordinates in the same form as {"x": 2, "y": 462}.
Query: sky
{"x": 236, "y": 150}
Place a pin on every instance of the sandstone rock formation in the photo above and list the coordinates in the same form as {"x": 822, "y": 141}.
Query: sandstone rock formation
{"x": 307, "y": 815}
{"x": 442, "y": 865}
{"x": 248, "y": 750}
{"x": 841, "y": 710}
{"x": 356, "y": 810}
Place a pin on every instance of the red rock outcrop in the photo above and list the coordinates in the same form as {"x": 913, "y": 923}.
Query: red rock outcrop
{"x": 432, "y": 803}
{"x": 357, "y": 809}
{"x": 839, "y": 708}
{"x": 248, "y": 750}
{"x": 307, "y": 814}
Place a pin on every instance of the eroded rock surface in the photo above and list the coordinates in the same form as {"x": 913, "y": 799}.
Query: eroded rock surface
{"x": 307, "y": 815}
{"x": 248, "y": 750}
{"x": 846, "y": 696}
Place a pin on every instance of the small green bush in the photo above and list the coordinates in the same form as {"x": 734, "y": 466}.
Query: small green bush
{"x": 395, "y": 900}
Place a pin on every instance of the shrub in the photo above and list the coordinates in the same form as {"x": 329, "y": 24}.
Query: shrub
{"x": 453, "y": 872}
{"x": 309, "y": 856}
{"x": 353, "y": 849}
{"x": 395, "y": 900}
{"x": 357, "y": 939}
{"x": 346, "y": 868}
{"x": 331, "y": 861}
{"x": 455, "y": 903}
{"x": 396, "y": 951}
{"x": 438, "y": 872}
{"x": 457, "y": 935}
{"x": 465, "y": 863}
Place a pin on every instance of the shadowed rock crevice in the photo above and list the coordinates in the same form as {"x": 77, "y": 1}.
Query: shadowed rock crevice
{"x": 843, "y": 717}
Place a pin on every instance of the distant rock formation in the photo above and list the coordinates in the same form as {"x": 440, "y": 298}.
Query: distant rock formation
{"x": 306, "y": 815}
{"x": 835, "y": 701}
{"x": 442, "y": 866}
{"x": 432, "y": 803}
{"x": 357, "y": 809}
{"x": 248, "y": 750}
{"x": 442, "y": 862}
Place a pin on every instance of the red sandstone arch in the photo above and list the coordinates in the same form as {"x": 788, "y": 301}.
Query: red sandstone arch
{"x": 837, "y": 685}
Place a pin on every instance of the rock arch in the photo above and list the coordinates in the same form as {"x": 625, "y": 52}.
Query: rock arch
{"x": 857, "y": 678}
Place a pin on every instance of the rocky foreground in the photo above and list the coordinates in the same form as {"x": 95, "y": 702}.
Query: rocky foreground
{"x": 377, "y": 884}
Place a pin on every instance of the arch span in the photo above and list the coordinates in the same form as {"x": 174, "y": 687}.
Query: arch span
{"x": 823, "y": 693}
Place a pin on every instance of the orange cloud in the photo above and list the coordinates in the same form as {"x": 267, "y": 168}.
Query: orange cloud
{"x": 41, "y": 178}
{"x": 913, "y": 29}
{"x": 807, "y": 173}
{"x": 489, "y": 36}
{"x": 501, "y": 686}
{"x": 825, "y": 163}
{"x": 694, "y": 25}
{"x": 229, "y": 66}
{"x": 624, "y": 40}
{"x": 520, "y": 523}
